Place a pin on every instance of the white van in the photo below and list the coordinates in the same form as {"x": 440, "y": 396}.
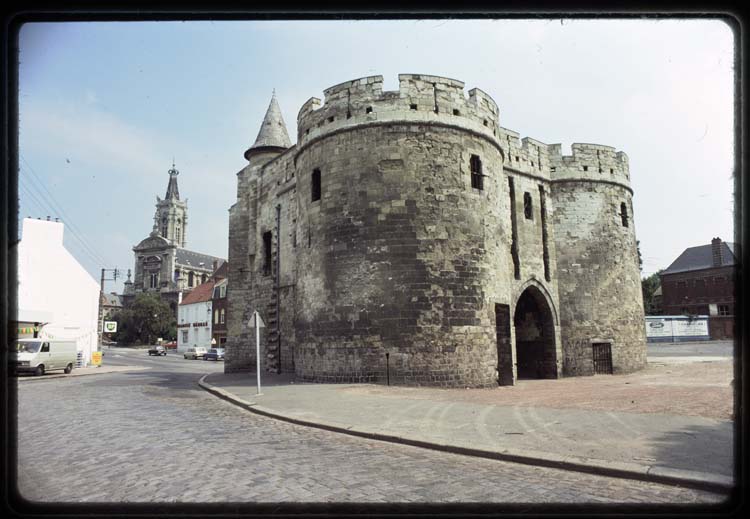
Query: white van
{"x": 42, "y": 355}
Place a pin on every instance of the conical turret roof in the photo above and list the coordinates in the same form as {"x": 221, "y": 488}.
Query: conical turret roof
{"x": 272, "y": 132}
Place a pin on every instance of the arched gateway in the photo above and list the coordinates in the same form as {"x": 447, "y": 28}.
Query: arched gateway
{"x": 534, "y": 324}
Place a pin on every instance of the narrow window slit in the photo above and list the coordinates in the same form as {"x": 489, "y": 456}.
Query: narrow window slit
{"x": 527, "y": 206}
{"x": 315, "y": 185}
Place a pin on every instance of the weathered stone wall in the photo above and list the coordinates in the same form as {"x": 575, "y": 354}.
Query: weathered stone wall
{"x": 266, "y": 182}
{"x": 597, "y": 260}
{"x": 401, "y": 255}
{"x": 402, "y": 263}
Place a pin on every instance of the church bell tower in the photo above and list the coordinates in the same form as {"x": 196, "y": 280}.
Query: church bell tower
{"x": 170, "y": 219}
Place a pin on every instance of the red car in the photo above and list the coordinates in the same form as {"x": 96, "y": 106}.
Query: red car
{"x": 171, "y": 345}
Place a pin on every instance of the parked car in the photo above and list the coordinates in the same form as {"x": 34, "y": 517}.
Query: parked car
{"x": 171, "y": 345}
{"x": 41, "y": 355}
{"x": 157, "y": 350}
{"x": 195, "y": 353}
{"x": 214, "y": 354}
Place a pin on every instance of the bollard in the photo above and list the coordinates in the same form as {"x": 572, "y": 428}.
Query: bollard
{"x": 387, "y": 370}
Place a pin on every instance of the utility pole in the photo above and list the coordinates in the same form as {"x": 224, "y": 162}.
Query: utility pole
{"x": 115, "y": 272}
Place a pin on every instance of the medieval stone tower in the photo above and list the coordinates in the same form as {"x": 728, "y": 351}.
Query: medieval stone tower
{"x": 407, "y": 236}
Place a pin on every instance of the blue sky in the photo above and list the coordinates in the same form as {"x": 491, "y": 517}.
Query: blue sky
{"x": 104, "y": 107}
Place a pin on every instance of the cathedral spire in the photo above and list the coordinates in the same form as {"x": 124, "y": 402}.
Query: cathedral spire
{"x": 173, "y": 193}
{"x": 272, "y": 135}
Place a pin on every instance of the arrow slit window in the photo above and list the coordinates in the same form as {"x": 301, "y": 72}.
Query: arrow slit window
{"x": 316, "y": 185}
{"x": 267, "y": 237}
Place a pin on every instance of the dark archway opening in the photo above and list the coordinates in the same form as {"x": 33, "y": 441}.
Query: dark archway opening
{"x": 535, "y": 336}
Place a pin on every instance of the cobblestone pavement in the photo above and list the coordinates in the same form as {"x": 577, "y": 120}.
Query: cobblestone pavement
{"x": 154, "y": 436}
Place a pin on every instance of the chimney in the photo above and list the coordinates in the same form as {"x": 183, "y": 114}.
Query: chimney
{"x": 716, "y": 252}
{"x": 215, "y": 264}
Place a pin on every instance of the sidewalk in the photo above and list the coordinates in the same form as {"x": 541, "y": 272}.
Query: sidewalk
{"x": 670, "y": 423}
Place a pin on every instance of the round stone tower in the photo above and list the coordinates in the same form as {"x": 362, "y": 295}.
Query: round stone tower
{"x": 599, "y": 284}
{"x": 403, "y": 238}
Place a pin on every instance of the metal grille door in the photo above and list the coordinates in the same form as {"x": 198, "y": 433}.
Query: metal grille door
{"x": 602, "y": 358}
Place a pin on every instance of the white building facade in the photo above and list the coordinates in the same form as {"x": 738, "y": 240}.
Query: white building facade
{"x": 194, "y": 318}
{"x": 57, "y": 297}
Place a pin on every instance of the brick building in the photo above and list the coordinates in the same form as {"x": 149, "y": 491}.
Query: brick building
{"x": 701, "y": 281}
{"x": 220, "y": 306}
{"x": 408, "y": 236}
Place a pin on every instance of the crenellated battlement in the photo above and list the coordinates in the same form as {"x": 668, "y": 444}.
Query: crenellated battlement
{"x": 420, "y": 99}
{"x": 526, "y": 155}
{"x": 425, "y": 99}
{"x": 589, "y": 161}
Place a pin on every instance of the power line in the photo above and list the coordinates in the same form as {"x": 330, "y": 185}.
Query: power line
{"x": 45, "y": 207}
{"x": 71, "y": 232}
{"x": 55, "y": 206}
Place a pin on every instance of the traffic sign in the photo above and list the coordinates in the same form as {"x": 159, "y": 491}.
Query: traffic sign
{"x": 261, "y": 324}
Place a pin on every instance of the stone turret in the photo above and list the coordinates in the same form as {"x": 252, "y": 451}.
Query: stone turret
{"x": 273, "y": 136}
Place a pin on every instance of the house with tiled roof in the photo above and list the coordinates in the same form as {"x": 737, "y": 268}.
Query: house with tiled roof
{"x": 111, "y": 303}
{"x": 701, "y": 281}
{"x": 162, "y": 263}
{"x": 194, "y": 317}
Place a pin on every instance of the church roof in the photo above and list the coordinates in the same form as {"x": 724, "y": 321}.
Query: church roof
{"x": 188, "y": 258}
{"x": 273, "y": 133}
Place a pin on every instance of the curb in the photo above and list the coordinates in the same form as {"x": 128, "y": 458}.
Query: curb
{"x": 649, "y": 473}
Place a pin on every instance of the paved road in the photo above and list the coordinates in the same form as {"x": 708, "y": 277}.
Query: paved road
{"x": 154, "y": 436}
{"x": 690, "y": 349}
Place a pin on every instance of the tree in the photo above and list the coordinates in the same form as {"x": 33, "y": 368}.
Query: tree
{"x": 147, "y": 319}
{"x": 648, "y": 287}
